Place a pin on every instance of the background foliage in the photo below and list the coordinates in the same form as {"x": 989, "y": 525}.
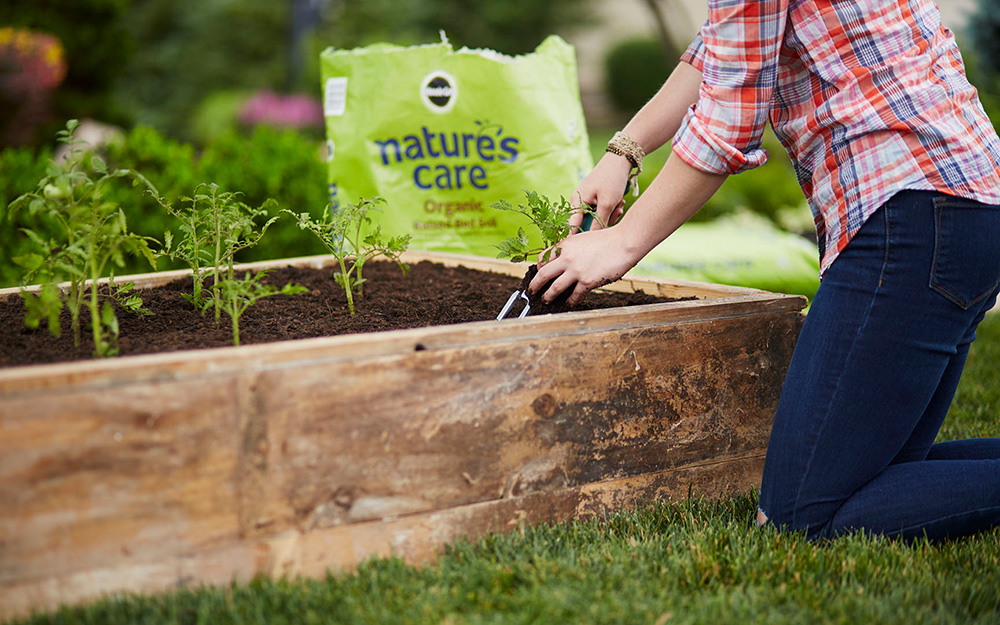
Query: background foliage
{"x": 98, "y": 45}
{"x": 269, "y": 163}
{"x": 193, "y": 48}
{"x": 984, "y": 33}
{"x": 634, "y": 70}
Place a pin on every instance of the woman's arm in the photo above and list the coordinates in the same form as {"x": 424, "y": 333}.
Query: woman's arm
{"x": 737, "y": 54}
{"x": 588, "y": 260}
{"x": 658, "y": 121}
{"x": 654, "y": 124}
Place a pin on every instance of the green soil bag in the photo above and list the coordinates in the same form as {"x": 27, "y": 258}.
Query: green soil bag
{"x": 441, "y": 134}
{"x": 744, "y": 249}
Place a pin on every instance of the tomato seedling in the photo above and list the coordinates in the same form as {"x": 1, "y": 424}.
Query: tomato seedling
{"x": 342, "y": 233}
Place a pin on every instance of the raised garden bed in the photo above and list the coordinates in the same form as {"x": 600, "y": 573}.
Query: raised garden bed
{"x": 145, "y": 472}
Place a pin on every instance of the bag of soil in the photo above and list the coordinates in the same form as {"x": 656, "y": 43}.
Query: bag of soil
{"x": 743, "y": 249}
{"x": 442, "y": 134}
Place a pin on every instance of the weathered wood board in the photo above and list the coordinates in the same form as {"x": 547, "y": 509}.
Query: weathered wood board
{"x": 147, "y": 472}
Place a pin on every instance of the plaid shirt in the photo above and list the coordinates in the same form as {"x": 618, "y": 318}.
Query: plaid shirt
{"x": 869, "y": 97}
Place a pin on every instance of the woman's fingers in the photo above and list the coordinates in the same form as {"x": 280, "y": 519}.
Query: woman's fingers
{"x": 579, "y": 292}
{"x": 605, "y": 212}
{"x": 560, "y": 284}
{"x": 546, "y": 271}
{"x": 617, "y": 213}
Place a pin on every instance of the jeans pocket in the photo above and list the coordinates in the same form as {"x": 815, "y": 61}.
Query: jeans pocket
{"x": 966, "y": 265}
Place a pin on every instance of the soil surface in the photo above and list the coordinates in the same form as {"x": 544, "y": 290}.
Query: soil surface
{"x": 430, "y": 295}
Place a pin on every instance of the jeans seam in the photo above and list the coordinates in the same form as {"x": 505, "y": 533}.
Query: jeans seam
{"x": 847, "y": 358}
{"x": 939, "y": 519}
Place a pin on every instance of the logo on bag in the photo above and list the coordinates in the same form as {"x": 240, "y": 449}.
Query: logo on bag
{"x": 439, "y": 91}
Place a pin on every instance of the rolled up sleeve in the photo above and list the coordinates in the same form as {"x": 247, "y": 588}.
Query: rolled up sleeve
{"x": 737, "y": 53}
{"x": 695, "y": 53}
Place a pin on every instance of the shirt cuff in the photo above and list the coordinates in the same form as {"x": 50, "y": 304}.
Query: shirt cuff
{"x": 698, "y": 146}
{"x": 695, "y": 53}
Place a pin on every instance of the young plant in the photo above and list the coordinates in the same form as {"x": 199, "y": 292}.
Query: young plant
{"x": 551, "y": 219}
{"x": 91, "y": 236}
{"x": 238, "y": 294}
{"x": 341, "y": 230}
{"x": 215, "y": 225}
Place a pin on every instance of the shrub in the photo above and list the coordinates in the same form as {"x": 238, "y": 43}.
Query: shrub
{"x": 167, "y": 164}
{"x": 282, "y": 165}
{"x": 277, "y": 164}
{"x": 217, "y": 114}
{"x": 984, "y": 31}
{"x": 20, "y": 171}
{"x": 634, "y": 70}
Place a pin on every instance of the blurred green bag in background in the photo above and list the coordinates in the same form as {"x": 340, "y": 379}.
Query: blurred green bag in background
{"x": 744, "y": 249}
{"x": 442, "y": 134}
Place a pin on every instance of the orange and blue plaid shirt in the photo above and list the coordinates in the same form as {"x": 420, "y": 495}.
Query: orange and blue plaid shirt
{"x": 868, "y": 97}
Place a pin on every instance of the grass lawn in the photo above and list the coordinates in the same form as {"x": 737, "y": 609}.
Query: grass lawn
{"x": 691, "y": 562}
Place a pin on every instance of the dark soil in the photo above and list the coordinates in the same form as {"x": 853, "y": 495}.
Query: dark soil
{"x": 430, "y": 295}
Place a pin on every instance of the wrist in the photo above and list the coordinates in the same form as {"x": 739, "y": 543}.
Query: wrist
{"x": 625, "y": 146}
{"x": 628, "y": 241}
{"x": 618, "y": 162}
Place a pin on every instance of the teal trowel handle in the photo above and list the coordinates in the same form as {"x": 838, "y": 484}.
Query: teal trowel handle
{"x": 588, "y": 219}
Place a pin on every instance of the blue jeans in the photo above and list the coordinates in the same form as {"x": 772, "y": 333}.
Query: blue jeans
{"x": 874, "y": 372}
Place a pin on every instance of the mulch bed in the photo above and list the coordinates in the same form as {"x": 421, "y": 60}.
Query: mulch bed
{"x": 430, "y": 295}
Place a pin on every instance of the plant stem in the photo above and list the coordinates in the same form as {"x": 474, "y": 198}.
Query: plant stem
{"x": 74, "y": 310}
{"x": 196, "y": 260}
{"x": 358, "y": 259}
{"x": 236, "y": 323}
{"x": 95, "y": 317}
{"x": 218, "y": 253}
{"x": 347, "y": 283}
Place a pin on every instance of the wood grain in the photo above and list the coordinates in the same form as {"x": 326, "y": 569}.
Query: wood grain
{"x": 416, "y": 538}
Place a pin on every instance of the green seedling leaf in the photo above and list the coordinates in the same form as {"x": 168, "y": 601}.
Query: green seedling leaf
{"x": 30, "y": 261}
{"x": 550, "y": 218}
{"x": 91, "y": 235}
{"x": 342, "y": 233}
{"x": 45, "y": 305}
{"x": 238, "y": 294}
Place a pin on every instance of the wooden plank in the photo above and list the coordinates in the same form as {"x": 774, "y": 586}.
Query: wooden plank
{"x": 148, "y": 468}
{"x": 416, "y": 538}
{"x": 505, "y": 419}
{"x": 179, "y": 465}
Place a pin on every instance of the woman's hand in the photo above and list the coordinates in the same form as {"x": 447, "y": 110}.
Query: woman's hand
{"x": 586, "y": 261}
{"x": 591, "y": 259}
{"x": 602, "y": 190}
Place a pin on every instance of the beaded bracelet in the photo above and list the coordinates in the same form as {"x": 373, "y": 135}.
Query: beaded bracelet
{"x": 624, "y": 145}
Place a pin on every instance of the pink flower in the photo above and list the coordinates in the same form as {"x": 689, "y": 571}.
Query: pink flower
{"x": 291, "y": 111}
